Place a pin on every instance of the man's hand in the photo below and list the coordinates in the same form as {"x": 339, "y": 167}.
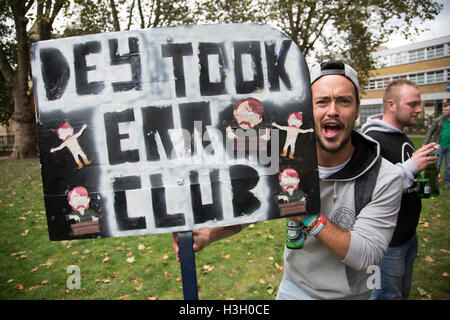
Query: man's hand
{"x": 421, "y": 157}
{"x": 203, "y": 237}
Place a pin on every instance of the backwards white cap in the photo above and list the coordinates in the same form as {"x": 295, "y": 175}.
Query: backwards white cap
{"x": 335, "y": 67}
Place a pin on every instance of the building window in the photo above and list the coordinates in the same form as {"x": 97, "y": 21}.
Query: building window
{"x": 439, "y": 76}
{"x": 367, "y": 111}
{"x": 435, "y": 76}
{"x": 416, "y": 55}
{"x": 420, "y": 78}
{"x": 435, "y": 52}
{"x": 371, "y": 85}
{"x": 417, "y": 78}
{"x": 400, "y": 58}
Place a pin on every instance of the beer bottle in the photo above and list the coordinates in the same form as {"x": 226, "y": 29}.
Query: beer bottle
{"x": 424, "y": 186}
{"x": 295, "y": 236}
{"x": 432, "y": 175}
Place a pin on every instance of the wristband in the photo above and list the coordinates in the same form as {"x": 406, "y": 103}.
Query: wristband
{"x": 322, "y": 220}
{"x": 307, "y": 220}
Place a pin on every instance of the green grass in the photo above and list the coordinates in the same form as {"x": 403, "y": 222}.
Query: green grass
{"x": 246, "y": 266}
{"x": 33, "y": 267}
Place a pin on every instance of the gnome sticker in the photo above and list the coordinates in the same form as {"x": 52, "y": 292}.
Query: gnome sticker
{"x": 86, "y": 220}
{"x": 70, "y": 140}
{"x": 294, "y": 121}
{"x": 248, "y": 114}
{"x": 291, "y": 199}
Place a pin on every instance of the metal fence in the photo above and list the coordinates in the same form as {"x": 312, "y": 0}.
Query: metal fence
{"x": 6, "y": 143}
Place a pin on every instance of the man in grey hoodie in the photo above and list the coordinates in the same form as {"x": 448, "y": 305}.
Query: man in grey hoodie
{"x": 343, "y": 246}
{"x": 401, "y": 107}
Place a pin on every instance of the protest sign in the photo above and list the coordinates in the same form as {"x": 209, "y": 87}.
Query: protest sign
{"x": 173, "y": 129}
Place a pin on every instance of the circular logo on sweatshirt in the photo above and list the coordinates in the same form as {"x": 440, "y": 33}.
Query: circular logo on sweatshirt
{"x": 344, "y": 218}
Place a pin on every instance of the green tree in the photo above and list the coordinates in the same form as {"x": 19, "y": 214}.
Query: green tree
{"x": 350, "y": 30}
{"x": 15, "y": 63}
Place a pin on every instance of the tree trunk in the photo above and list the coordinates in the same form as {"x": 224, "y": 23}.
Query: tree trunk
{"x": 25, "y": 135}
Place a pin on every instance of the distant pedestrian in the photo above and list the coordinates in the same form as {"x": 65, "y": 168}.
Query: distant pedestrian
{"x": 440, "y": 130}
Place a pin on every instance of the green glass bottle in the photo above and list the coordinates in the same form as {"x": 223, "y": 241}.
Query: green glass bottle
{"x": 295, "y": 236}
{"x": 424, "y": 186}
{"x": 432, "y": 174}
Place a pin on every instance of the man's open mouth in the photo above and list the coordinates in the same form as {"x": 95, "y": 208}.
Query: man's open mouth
{"x": 332, "y": 129}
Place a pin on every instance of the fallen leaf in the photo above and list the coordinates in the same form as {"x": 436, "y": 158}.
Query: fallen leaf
{"x": 429, "y": 259}
{"x": 445, "y": 251}
{"x": 22, "y": 218}
{"x": 25, "y": 233}
{"x": 166, "y": 257}
{"x": 126, "y": 296}
{"x": 18, "y": 286}
{"x": 10, "y": 280}
{"x": 426, "y": 224}
{"x": 262, "y": 281}
{"x": 106, "y": 281}
{"x": 445, "y": 274}
{"x": 207, "y": 268}
{"x": 227, "y": 256}
{"x": 279, "y": 267}
{"x": 47, "y": 264}
{"x": 152, "y": 298}
{"x": 106, "y": 259}
{"x": 44, "y": 282}
{"x": 38, "y": 286}
{"x": 18, "y": 253}
{"x": 421, "y": 291}
{"x": 141, "y": 247}
{"x": 34, "y": 269}
{"x": 131, "y": 260}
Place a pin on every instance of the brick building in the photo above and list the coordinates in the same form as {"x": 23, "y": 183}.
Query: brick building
{"x": 426, "y": 63}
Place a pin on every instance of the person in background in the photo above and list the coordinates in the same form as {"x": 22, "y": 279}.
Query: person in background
{"x": 401, "y": 107}
{"x": 440, "y": 130}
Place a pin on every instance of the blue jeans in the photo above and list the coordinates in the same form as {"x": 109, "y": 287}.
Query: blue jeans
{"x": 445, "y": 152}
{"x": 396, "y": 272}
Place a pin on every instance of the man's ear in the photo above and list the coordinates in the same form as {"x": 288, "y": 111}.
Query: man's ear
{"x": 390, "y": 105}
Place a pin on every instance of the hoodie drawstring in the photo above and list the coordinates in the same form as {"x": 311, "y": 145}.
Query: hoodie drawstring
{"x": 335, "y": 191}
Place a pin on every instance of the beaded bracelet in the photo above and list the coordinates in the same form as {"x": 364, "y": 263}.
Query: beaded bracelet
{"x": 309, "y": 223}
{"x": 308, "y": 220}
